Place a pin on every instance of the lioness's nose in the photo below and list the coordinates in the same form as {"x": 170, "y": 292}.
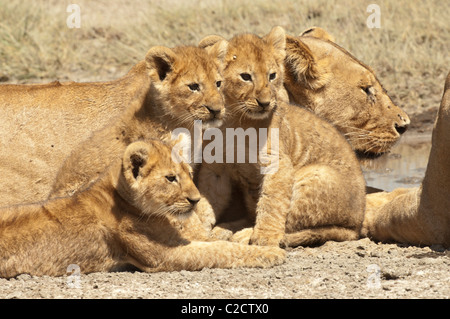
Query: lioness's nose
{"x": 401, "y": 128}
{"x": 402, "y": 125}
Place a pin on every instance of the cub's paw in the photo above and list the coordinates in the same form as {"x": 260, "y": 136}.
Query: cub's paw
{"x": 270, "y": 256}
{"x": 242, "y": 236}
{"x": 219, "y": 233}
{"x": 262, "y": 238}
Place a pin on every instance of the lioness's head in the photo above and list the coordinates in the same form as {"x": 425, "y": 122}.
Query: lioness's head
{"x": 188, "y": 83}
{"x": 253, "y": 72}
{"x": 155, "y": 184}
{"x": 324, "y": 77}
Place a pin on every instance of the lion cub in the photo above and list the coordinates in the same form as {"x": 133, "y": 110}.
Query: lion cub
{"x": 312, "y": 189}
{"x": 121, "y": 219}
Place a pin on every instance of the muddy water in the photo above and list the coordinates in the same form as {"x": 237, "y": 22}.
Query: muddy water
{"x": 403, "y": 167}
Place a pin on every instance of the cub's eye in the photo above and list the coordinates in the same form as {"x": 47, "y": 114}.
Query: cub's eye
{"x": 272, "y": 76}
{"x": 246, "y": 77}
{"x": 171, "y": 178}
{"x": 194, "y": 87}
{"x": 218, "y": 84}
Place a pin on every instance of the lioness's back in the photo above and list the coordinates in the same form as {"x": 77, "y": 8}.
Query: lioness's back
{"x": 42, "y": 123}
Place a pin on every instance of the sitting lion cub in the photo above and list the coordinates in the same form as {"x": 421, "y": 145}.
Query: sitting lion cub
{"x": 121, "y": 219}
{"x": 313, "y": 189}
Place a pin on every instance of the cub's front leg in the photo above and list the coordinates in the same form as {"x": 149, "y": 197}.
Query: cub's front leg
{"x": 273, "y": 205}
{"x": 220, "y": 254}
{"x": 151, "y": 256}
{"x": 214, "y": 184}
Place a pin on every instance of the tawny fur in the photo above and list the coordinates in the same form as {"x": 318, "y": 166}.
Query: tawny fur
{"x": 121, "y": 219}
{"x": 43, "y": 124}
{"x": 317, "y": 193}
{"x": 169, "y": 104}
{"x": 418, "y": 216}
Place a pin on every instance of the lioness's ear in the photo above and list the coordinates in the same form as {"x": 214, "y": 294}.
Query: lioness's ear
{"x": 305, "y": 68}
{"x": 160, "y": 61}
{"x": 277, "y": 37}
{"x": 317, "y": 32}
{"x": 136, "y": 157}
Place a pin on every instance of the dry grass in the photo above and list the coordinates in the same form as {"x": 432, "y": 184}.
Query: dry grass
{"x": 409, "y": 52}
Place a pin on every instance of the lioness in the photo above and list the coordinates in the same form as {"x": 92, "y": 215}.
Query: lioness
{"x": 317, "y": 191}
{"x": 121, "y": 219}
{"x": 418, "y": 216}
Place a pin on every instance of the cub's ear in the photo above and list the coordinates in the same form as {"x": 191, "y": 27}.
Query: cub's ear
{"x": 218, "y": 49}
{"x": 160, "y": 62}
{"x": 301, "y": 63}
{"x": 317, "y": 32}
{"x": 215, "y": 45}
{"x": 180, "y": 145}
{"x": 135, "y": 159}
{"x": 210, "y": 40}
{"x": 277, "y": 38}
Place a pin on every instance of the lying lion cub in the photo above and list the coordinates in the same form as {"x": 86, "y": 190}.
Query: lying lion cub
{"x": 121, "y": 219}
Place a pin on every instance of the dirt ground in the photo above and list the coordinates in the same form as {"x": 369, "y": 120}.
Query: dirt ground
{"x": 356, "y": 269}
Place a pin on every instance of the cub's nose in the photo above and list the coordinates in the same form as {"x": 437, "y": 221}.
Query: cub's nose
{"x": 214, "y": 112}
{"x": 263, "y": 104}
{"x": 193, "y": 201}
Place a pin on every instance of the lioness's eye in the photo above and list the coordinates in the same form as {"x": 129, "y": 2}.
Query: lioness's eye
{"x": 246, "y": 77}
{"x": 194, "y": 87}
{"x": 171, "y": 178}
{"x": 218, "y": 84}
{"x": 272, "y": 76}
